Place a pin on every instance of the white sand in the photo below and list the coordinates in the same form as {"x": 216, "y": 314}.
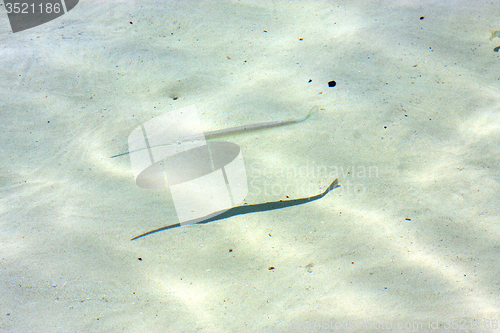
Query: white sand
{"x": 416, "y": 100}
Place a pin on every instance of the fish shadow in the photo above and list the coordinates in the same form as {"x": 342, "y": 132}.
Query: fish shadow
{"x": 247, "y": 209}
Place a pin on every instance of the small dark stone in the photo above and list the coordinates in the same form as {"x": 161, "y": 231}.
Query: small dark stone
{"x": 496, "y": 49}
{"x": 332, "y": 84}
{"x": 421, "y": 17}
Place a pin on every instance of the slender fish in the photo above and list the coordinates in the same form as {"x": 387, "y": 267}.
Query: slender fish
{"x": 233, "y": 131}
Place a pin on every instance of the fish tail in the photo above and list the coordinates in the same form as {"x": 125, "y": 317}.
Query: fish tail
{"x": 313, "y": 111}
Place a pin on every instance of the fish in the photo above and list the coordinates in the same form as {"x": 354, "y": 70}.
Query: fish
{"x": 232, "y": 131}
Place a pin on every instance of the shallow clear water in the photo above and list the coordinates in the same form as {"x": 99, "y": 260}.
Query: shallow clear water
{"x": 411, "y": 131}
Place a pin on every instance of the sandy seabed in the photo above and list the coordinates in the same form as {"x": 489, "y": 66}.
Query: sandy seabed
{"x": 409, "y": 242}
